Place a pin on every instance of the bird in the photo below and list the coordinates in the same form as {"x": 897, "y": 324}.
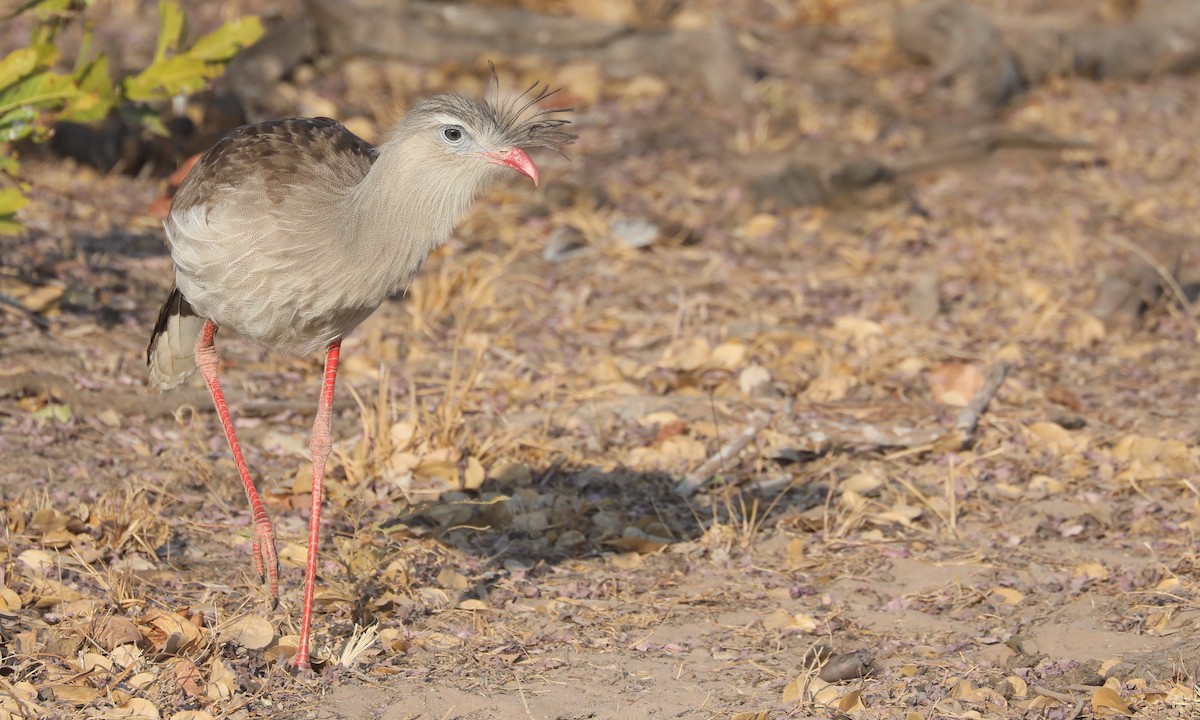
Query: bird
{"x": 292, "y": 232}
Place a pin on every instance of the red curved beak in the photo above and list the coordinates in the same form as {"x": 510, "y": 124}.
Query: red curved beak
{"x": 518, "y": 160}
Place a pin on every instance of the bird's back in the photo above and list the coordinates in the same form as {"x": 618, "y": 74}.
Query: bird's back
{"x": 253, "y": 218}
{"x": 274, "y": 154}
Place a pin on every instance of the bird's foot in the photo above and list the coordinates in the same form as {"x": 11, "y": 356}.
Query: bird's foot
{"x": 301, "y": 664}
{"x": 266, "y": 557}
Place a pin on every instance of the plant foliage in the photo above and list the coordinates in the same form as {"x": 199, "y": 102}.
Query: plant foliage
{"x": 36, "y": 92}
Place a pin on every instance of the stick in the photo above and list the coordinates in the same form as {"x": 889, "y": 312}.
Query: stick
{"x": 968, "y": 419}
{"x": 695, "y": 479}
{"x": 38, "y": 320}
{"x": 1167, "y": 277}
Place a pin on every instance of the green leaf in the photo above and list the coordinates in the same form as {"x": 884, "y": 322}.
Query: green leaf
{"x": 144, "y": 116}
{"x": 19, "y": 64}
{"x": 11, "y": 200}
{"x": 96, "y": 95}
{"x": 9, "y": 164}
{"x": 18, "y": 123}
{"x": 45, "y": 89}
{"x": 16, "y": 65}
{"x": 170, "y": 29}
{"x": 54, "y": 411}
{"x": 224, "y": 42}
{"x": 46, "y": 9}
{"x": 168, "y": 78}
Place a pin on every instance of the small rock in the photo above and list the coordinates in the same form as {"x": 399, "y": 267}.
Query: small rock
{"x": 564, "y": 243}
{"x": 635, "y": 232}
{"x": 754, "y": 380}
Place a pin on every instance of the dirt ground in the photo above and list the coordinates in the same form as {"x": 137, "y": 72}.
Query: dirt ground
{"x": 504, "y": 538}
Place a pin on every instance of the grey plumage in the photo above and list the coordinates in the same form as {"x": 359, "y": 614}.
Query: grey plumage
{"x": 292, "y": 232}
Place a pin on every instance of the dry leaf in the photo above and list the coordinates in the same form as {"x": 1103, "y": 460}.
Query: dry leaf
{"x": 221, "y": 682}
{"x": 474, "y": 474}
{"x": 134, "y": 708}
{"x": 793, "y": 691}
{"x": 851, "y": 701}
{"x": 40, "y": 562}
{"x": 728, "y": 355}
{"x": 1106, "y": 701}
{"x": 760, "y": 226}
{"x": 252, "y": 632}
{"x": 116, "y": 630}
{"x": 1056, "y": 438}
{"x": 863, "y": 483}
{"x": 754, "y": 379}
{"x": 189, "y": 678}
{"x": 169, "y": 632}
{"x": 965, "y": 690}
{"x": 452, "y": 579}
{"x": 126, "y": 656}
{"x": 955, "y": 383}
{"x": 1091, "y": 571}
{"x": 1008, "y": 596}
{"x": 77, "y": 695}
{"x": 9, "y": 600}
{"x": 1019, "y": 687}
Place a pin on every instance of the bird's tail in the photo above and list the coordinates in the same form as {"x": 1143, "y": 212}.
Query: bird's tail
{"x": 170, "y": 358}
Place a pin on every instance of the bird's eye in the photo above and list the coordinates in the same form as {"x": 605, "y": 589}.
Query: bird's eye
{"x": 453, "y": 134}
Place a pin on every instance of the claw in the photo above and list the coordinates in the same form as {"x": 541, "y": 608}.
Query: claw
{"x": 266, "y": 558}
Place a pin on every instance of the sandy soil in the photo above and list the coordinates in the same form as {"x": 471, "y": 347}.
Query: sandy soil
{"x": 503, "y": 533}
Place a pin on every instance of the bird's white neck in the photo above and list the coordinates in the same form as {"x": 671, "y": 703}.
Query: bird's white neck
{"x": 402, "y": 210}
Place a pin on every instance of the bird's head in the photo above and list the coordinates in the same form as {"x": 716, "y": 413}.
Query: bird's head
{"x": 475, "y": 139}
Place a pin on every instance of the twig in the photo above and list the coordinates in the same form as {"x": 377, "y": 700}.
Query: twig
{"x": 1164, "y": 274}
{"x": 1052, "y": 694}
{"x": 695, "y": 479}
{"x": 1078, "y": 709}
{"x": 38, "y": 320}
{"x": 968, "y": 419}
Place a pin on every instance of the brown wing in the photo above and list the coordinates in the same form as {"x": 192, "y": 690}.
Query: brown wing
{"x": 278, "y": 152}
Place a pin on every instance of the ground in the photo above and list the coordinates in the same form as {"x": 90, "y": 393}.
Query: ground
{"x": 504, "y": 538}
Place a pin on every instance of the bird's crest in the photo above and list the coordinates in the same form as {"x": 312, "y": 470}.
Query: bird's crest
{"x": 526, "y": 124}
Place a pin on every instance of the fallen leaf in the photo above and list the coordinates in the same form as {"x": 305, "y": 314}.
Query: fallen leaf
{"x": 1091, "y": 571}
{"x": 9, "y": 600}
{"x": 116, "y": 630}
{"x": 221, "y": 682}
{"x": 192, "y": 715}
{"x": 189, "y": 678}
{"x": 760, "y": 226}
{"x": 851, "y": 701}
{"x": 1009, "y": 596}
{"x": 754, "y": 379}
{"x": 169, "y": 632}
{"x": 252, "y": 632}
{"x": 955, "y": 383}
{"x": 1106, "y": 701}
{"x": 77, "y": 695}
{"x": 134, "y": 708}
{"x": 474, "y": 474}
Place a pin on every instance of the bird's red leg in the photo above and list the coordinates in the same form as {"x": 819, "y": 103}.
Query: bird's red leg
{"x": 320, "y": 446}
{"x": 266, "y": 560}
